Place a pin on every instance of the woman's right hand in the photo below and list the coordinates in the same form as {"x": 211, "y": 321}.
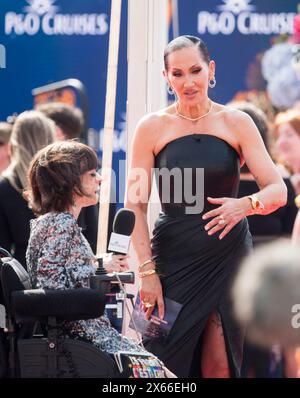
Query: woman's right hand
{"x": 115, "y": 262}
{"x": 151, "y": 294}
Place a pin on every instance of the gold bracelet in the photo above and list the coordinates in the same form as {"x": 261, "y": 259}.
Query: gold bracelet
{"x": 297, "y": 201}
{"x": 145, "y": 263}
{"x": 256, "y": 204}
{"x": 147, "y": 273}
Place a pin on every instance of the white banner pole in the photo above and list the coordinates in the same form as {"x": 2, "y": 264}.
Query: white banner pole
{"x": 110, "y": 105}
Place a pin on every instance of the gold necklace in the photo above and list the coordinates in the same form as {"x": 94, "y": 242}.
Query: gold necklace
{"x": 190, "y": 118}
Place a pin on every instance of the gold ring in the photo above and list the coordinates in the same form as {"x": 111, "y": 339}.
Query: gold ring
{"x": 148, "y": 305}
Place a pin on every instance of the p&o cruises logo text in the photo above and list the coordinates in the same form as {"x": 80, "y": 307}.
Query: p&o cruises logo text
{"x": 43, "y": 15}
{"x": 241, "y": 16}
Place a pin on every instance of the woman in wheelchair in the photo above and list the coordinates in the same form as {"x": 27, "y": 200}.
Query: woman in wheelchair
{"x": 62, "y": 180}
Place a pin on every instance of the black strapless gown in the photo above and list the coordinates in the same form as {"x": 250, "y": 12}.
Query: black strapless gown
{"x": 196, "y": 269}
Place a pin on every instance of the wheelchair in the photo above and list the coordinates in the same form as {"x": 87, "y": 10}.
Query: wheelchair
{"x": 32, "y": 345}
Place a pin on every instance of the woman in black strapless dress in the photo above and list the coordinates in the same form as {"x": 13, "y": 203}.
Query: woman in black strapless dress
{"x": 202, "y": 231}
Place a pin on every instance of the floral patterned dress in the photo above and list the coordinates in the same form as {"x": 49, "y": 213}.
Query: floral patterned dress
{"x": 59, "y": 257}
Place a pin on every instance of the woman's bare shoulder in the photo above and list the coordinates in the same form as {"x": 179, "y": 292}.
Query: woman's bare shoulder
{"x": 152, "y": 124}
{"x": 156, "y": 118}
{"x": 230, "y": 114}
{"x": 236, "y": 121}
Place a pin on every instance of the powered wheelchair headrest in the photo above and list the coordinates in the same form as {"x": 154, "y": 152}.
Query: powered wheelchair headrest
{"x": 29, "y": 305}
{"x": 64, "y": 305}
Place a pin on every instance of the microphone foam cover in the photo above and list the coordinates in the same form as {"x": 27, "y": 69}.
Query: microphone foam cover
{"x": 124, "y": 222}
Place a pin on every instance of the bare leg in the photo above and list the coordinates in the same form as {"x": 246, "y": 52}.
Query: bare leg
{"x": 214, "y": 361}
{"x": 291, "y": 366}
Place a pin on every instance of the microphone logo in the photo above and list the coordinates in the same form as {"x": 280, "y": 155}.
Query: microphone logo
{"x": 119, "y": 243}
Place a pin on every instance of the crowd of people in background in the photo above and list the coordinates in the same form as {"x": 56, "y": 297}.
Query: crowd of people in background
{"x": 21, "y": 137}
{"x": 27, "y": 133}
{"x": 20, "y": 140}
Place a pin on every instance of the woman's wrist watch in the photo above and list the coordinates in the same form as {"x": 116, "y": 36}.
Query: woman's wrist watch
{"x": 255, "y": 202}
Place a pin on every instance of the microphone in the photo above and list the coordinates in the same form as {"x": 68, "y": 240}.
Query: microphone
{"x": 122, "y": 229}
{"x": 119, "y": 244}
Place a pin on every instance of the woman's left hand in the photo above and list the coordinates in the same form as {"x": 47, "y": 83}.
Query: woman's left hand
{"x": 227, "y": 215}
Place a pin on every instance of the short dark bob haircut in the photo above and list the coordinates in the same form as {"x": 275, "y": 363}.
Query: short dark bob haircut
{"x": 55, "y": 175}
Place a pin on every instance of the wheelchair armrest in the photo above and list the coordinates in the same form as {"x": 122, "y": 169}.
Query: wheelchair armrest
{"x": 64, "y": 305}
